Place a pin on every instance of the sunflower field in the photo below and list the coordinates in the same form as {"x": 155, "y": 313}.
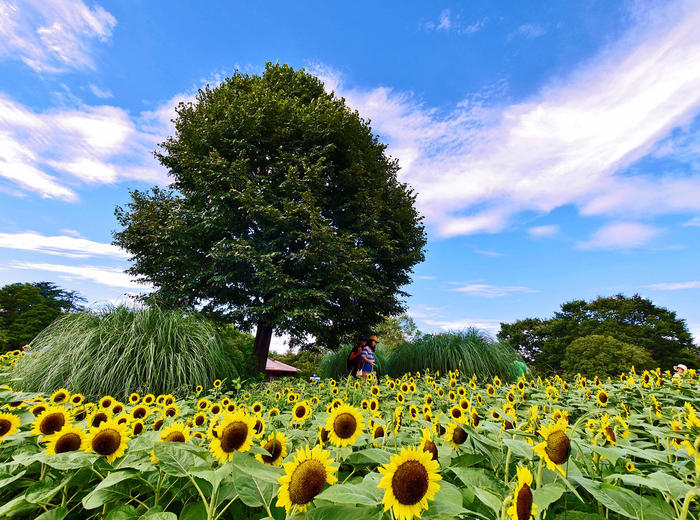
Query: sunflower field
{"x": 425, "y": 445}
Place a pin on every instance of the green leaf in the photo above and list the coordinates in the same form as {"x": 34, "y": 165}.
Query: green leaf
{"x": 160, "y": 515}
{"x": 193, "y": 511}
{"x": 58, "y": 513}
{"x": 69, "y": 460}
{"x": 363, "y": 493}
{"x": 111, "y": 489}
{"x": 546, "y": 495}
{"x": 6, "y": 479}
{"x": 253, "y": 468}
{"x": 480, "y": 477}
{"x": 254, "y": 492}
{"x": 123, "y": 512}
{"x": 612, "y": 454}
{"x": 175, "y": 459}
{"x": 345, "y": 513}
{"x": 494, "y": 502}
{"x": 615, "y": 498}
{"x": 448, "y": 501}
{"x": 519, "y": 448}
{"x": 369, "y": 456}
{"x": 45, "y": 490}
{"x": 577, "y": 515}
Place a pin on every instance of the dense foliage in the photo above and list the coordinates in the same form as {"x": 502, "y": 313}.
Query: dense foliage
{"x": 634, "y": 320}
{"x": 27, "y": 308}
{"x": 603, "y": 356}
{"x": 285, "y": 213}
{"x": 436, "y": 445}
{"x": 124, "y": 350}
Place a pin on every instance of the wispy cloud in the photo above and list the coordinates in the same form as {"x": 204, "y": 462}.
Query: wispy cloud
{"x": 100, "y": 93}
{"x": 675, "y": 286}
{"x": 492, "y": 254}
{"x": 425, "y": 277}
{"x": 60, "y": 245}
{"x": 110, "y": 276}
{"x": 543, "y": 231}
{"x": 620, "y": 235}
{"x": 528, "y": 30}
{"x": 477, "y": 166}
{"x": 488, "y": 325}
{"x": 53, "y": 35}
{"x": 449, "y": 22}
{"x": 492, "y": 291}
{"x": 693, "y": 222}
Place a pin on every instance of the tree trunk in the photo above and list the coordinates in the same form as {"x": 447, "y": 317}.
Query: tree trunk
{"x": 261, "y": 348}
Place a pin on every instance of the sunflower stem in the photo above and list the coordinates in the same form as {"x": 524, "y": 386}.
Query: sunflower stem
{"x": 508, "y": 455}
{"x": 686, "y": 503}
{"x": 539, "y": 473}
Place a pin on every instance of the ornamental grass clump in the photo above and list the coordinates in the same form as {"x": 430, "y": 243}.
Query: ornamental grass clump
{"x": 124, "y": 350}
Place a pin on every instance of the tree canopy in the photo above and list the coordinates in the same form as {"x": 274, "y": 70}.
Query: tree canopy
{"x": 285, "y": 213}
{"x": 27, "y": 308}
{"x": 634, "y": 320}
{"x": 598, "y": 355}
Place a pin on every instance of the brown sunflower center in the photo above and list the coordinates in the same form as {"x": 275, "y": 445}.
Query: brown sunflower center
{"x": 300, "y": 412}
{"x": 5, "y": 426}
{"x": 603, "y": 398}
{"x": 106, "y": 442}
{"x": 456, "y": 413}
{"x": 98, "y": 419}
{"x": 558, "y": 447}
{"x": 345, "y": 425}
{"x": 459, "y": 435}
{"x": 378, "y": 432}
{"x": 523, "y": 503}
{"x": 175, "y": 437}
{"x": 170, "y": 412}
{"x": 139, "y": 413}
{"x": 324, "y": 435}
{"x": 106, "y": 403}
{"x": 259, "y": 426}
{"x": 274, "y": 447}
{"x": 410, "y": 482}
{"x": 68, "y": 442}
{"x": 307, "y": 481}
{"x": 611, "y": 434}
{"x": 52, "y": 423}
{"x": 80, "y": 415}
{"x": 158, "y": 425}
{"x": 138, "y": 428}
{"x": 117, "y": 409}
{"x": 234, "y": 436}
{"x": 440, "y": 429}
{"x": 199, "y": 420}
{"x": 430, "y": 447}
{"x": 59, "y": 398}
{"x": 38, "y": 409}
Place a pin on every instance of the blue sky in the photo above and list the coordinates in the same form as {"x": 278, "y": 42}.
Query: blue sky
{"x": 553, "y": 145}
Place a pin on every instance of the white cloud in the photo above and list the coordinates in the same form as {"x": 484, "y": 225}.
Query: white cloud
{"x": 53, "y": 35}
{"x": 694, "y": 222}
{"x": 60, "y": 245}
{"x": 543, "y": 231}
{"x": 676, "y": 286}
{"x": 425, "y": 277}
{"x": 100, "y": 93}
{"x": 477, "y": 166}
{"x": 620, "y": 235}
{"x": 448, "y": 22}
{"x": 492, "y": 291}
{"x": 492, "y": 254}
{"x": 52, "y": 152}
{"x": 528, "y": 30}
{"x": 488, "y": 325}
{"x": 110, "y": 276}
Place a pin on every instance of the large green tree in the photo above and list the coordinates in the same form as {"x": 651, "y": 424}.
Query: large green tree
{"x": 26, "y": 309}
{"x": 285, "y": 213}
{"x": 634, "y": 320}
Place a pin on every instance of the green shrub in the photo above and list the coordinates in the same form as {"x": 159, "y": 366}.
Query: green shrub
{"x": 603, "y": 356}
{"x": 123, "y": 350}
{"x": 471, "y": 351}
{"x": 239, "y": 347}
{"x": 334, "y": 364}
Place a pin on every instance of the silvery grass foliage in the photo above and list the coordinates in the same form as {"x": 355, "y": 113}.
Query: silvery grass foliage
{"x": 470, "y": 351}
{"x": 121, "y": 350}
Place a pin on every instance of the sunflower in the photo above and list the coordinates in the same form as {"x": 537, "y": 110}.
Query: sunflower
{"x": 107, "y": 401}
{"x": 345, "y": 424}
{"x": 136, "y": 427}
{"x": 198, "y": 389}
{"x": 109, "y": 439}
{"x": 305, "y": 477}
{"x": 409, "y": 480}
{"x": 69, "y": 438}
{"x": 171, "y": 410}
{"x": 203, "y": 404}
{"x": 456, "y": 435}
{"x": 257, "y": 407}
{"x": 134, "y": 398}
{"x": 215, "y": 409}
{"x": 276, "y": 446}
{"x": 225, "y": 401}
{"x": 60, "y": 396}
{"x": 176, "y": 432}
{"x": 374, "y": 390}
{"x": 497, "y": 382}
{"x": 200, "y": 419}
{"x": 217, "y": 383}
{"x": 602, "y": 398}
{"x": 428, "y": 444}
{"x": 292, "y": 397}
{"x": 117, "y": 408}
{"x": 378, "y": 434}
{"x": 457, "y": 414}
{"x": 301, "y": 411}
{"x": 140, "y": 411}
{"x": 629, "y": 466}
{"x": 490, "y": 390}
{"x": 259, "y": 426}
{"x": 77, "y": 399}
{"x": 50, "y": 420}
{"x": 234, "y": 432}
{"x": 556, "y": 447}
{"x": 464, "y": 404}
{"x": 38, "y": 408}
{"x": 9, "y": 424}
{"x": 148, "y": 399}
{"x": 273, "y": 412}
{"x": 521, "y": 505}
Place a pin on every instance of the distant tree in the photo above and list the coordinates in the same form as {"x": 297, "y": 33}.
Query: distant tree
{"x": 26, "y": 309}
{"x": 634, "y": 320}
{"x": 394, "y": 331}
{"x": 285, "y": 213}
{"x": 306, "y": 361}
{"x": 239, "y": 346}
{"x": 603, "y": 356}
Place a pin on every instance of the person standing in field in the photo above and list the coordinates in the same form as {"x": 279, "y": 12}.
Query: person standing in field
{"x": 368, "y": 357}
{"x": 354, "y": 362}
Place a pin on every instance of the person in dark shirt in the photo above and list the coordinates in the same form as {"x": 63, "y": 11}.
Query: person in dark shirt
{"x": 354, "y": 362}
